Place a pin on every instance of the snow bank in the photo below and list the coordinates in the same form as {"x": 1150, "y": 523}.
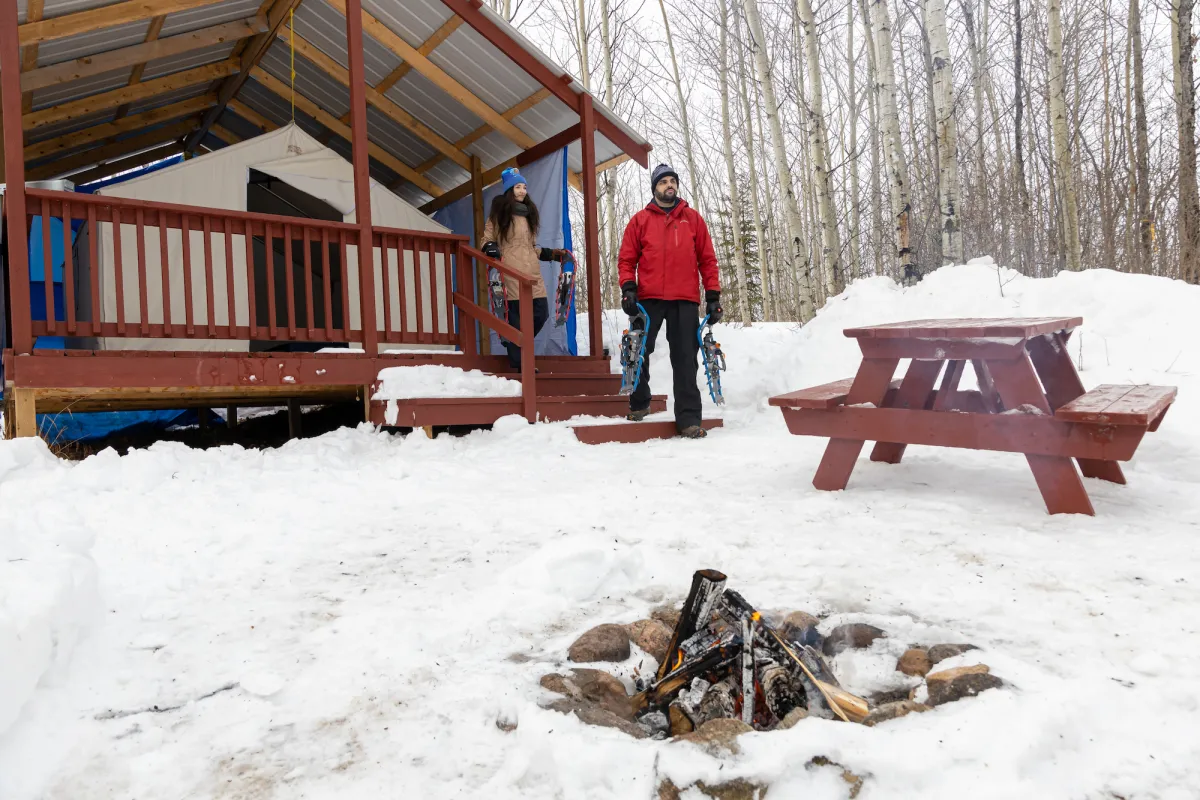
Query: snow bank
{"x": 434, "y": 380}
{"x": 48, "y": 593}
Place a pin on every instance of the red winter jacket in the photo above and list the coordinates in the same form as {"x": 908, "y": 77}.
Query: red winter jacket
{"x": 667, "y": 252}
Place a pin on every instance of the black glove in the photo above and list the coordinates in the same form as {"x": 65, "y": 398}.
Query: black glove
{"x": 713, "y": 309}
{"x": 491, "y": 250}
{"x": 629, "y": 298}
{"x": 548, "y": 254}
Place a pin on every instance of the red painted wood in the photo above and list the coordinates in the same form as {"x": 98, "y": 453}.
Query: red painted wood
{"x": 94, "y": 260}
{"x": 1110, "y": 404}
{"x": 448, "y": 286}
{"x": 486, "y": 410}
{"x": 251, "y": 301}
{"x": 591, "y": 221}
{"x": 119, "y": 271}
{"x": 139, "y": 233}
{"x": 48, "y": 270}
{"x": 1061, "y": 487}
{"x": 633, "y": 432}
{"x": 1057, "y": 372}
{"x": 344, "y": 258}
{"x": 404, "y": 244}
{"x": 269, "y": 244}
{"x": 418, "y": 289}
{"x": 528, "y": 379}
{"x": 362, "y": 176}
{"x": 433, "y": 293}
{"x": 310, "y": 314}
{"x": 188, "y": 300}
{"x": 1006, "y": 433}
{"x": 14, "y": 199}
{"x": 68, "y": 270}
{"x": 941, "y": 349}
{"x": 827, "y": 395}
{"x": 870, "y": 386}
{"x": 231, "y": 303}
{"x": 486, "y": 317}
{"x": 947, "y": 393}
{"x": 210, "y": 310}
{"x": 164, "y": 265}
{"x": 914, "y": 393}
{"x": 1021, "y": 328}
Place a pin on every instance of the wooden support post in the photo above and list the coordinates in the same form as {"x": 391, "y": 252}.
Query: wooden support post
{"x": 429, "y": 434}
{"x": 14, "y": 171}
{"x": 591, "y": 222}
{"x": 231, "y": 420}
{"x": 202, "y": 416}
{"x": 293, "y": 407}
{"x": 24, "y": 413}
{"x": 362, "y": 176}
{"x": 480, "y": 218}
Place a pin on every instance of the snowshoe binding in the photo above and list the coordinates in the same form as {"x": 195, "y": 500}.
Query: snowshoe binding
{"x": 566, "y": 292}
{"x": 714, "y": 361}
{"x": 633, "y": 350}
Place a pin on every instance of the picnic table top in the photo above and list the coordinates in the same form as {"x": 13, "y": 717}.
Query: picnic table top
{"x": 980, "y": 328}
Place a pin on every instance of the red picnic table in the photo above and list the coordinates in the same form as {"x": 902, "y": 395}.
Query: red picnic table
{"x": 1030, "y": 400}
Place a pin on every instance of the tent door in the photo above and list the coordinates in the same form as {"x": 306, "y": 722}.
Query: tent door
{"x": 268, "y": 195}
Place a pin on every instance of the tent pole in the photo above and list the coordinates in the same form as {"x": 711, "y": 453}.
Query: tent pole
{"x": 14, "y": 171}
{"x": 362, "y": 177}
{"x": 485, "y": 338}
{"x": 591, "y": 222}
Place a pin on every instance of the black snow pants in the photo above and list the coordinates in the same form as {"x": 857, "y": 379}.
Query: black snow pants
{"x": 541, "y": 312}
{"x": 683, "y": 321}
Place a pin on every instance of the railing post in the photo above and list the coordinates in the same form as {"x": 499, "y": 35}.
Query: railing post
{"x": 466, "y": 324}
{"x": 14, "y": 172}
{"x": 528, "y": 385}
{"x": 362, "y": 177}
{"x": 591, "y": 221}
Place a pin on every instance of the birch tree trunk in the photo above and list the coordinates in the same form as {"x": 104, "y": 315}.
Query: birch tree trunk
{"x": 735, "y": 216}
{"x": 759, "y": 44}
{"x": 897, "y": 165}
{"x": 1189, "y": 198}
{"x": 584, "y": 69}
{"x": 947, "y": 131}
{"x": 1141, "y": 140}
{"x": 683, "y": 111}
{"x": 873, "y": 124}
{"x": 1062, "y": 143}
{"x": 852, "y": 155}
{"x": 610, "y": 177}
{"x": 764, "y": 270}
{"x": 831, "y": 241}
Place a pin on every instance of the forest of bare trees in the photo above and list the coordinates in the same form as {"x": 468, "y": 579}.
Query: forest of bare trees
{"x": 825, "y": 142}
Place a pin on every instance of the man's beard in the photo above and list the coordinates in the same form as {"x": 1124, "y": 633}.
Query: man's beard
{"x": 661, "y": 197}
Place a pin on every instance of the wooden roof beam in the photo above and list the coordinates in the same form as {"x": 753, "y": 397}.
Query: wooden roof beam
{"x": 377, "y": 99}
{"x": 421, "y": 63}
{"x": 71, "y": 141}
{"x": 109, "y": 16}
{"x": 29, "y": 53}
{"x": 122, "y": 164}
{"x": 334, "y": 124}
{"x": 134, "y": 55}
{"x": 251, "y": 52}
{"x": 224, "y": 134}
{"x": 78, "y": 161}
{"x": 427, "y": 47}
{"x": 128, "y": 94}
{"x": 484, "y": 130}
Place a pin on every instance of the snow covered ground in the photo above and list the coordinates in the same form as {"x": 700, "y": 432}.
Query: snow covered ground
{"x": 336, "y": 618}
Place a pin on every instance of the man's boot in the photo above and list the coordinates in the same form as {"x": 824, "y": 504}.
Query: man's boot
{"x": 693, "y": 432}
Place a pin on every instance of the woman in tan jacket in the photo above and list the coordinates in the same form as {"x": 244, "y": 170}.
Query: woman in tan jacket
{"x": 510, "y": 235}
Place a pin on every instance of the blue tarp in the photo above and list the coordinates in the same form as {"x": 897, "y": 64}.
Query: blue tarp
{"x": 66, "y": 427}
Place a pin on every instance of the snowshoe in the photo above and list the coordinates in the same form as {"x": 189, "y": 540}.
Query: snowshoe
{"x": 633, "y": 350}
{"x": 565, "y": 295}
{"x": 714, "y": 361}
{"x": 497, "y": 296}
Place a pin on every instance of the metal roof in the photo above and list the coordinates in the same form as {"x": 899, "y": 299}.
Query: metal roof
{"x": 465, "y": 55}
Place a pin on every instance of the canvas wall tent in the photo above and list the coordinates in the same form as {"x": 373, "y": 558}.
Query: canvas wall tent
{"x": 221, "y": 179}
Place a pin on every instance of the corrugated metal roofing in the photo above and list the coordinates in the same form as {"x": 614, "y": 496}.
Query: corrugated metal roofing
{"x": 466, "y": 56}
{"x": 177, "y": 96}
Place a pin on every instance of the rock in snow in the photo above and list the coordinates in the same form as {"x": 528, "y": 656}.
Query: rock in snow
{"x": 606, "y": 642}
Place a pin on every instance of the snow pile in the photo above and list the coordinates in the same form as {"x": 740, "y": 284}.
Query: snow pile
{"x": 48, "y": 593}
{"x": 434, "y": 380}
{"x": 380, "y": 603}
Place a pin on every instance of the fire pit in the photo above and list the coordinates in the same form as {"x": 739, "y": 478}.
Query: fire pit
{"x": 725, "y": 669}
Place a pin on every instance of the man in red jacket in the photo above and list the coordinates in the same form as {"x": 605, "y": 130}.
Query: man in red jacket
{"x": 665, "y": 254}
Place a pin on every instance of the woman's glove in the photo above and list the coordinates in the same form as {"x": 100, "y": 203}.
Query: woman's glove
{"x": 491, "y": 250}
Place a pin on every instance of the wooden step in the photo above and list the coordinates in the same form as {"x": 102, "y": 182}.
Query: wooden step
{"x": 566, "y": 384}
{"x": 545, "y": 364}
{"x": 419, "y": 412}
{"x": 631, "y": 432}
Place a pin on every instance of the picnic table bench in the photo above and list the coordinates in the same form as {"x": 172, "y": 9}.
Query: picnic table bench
{"x": 1030, "y": 400}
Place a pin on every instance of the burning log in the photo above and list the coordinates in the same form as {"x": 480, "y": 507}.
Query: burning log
{"x": 707, "y": 585}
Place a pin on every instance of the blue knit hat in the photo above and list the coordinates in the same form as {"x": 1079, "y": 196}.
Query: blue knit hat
{"x": 510, "y": 178}
{"x": 660, "y": 172}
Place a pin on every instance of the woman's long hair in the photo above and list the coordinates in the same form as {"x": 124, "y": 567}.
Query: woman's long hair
{"x": 502, "y": 214}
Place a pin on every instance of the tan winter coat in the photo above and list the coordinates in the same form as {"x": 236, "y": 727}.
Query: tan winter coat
{"x": 520, "y": 252}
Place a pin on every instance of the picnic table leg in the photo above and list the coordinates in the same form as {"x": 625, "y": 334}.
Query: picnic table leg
{"x": 870, "y": 386}
{"x": 1057, "y": 371}
{"x": 987, "y": 388}
{"x": 913, "y": 393}
{"x": 1060, "y": 485}
{"x": 947, "y": 393}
